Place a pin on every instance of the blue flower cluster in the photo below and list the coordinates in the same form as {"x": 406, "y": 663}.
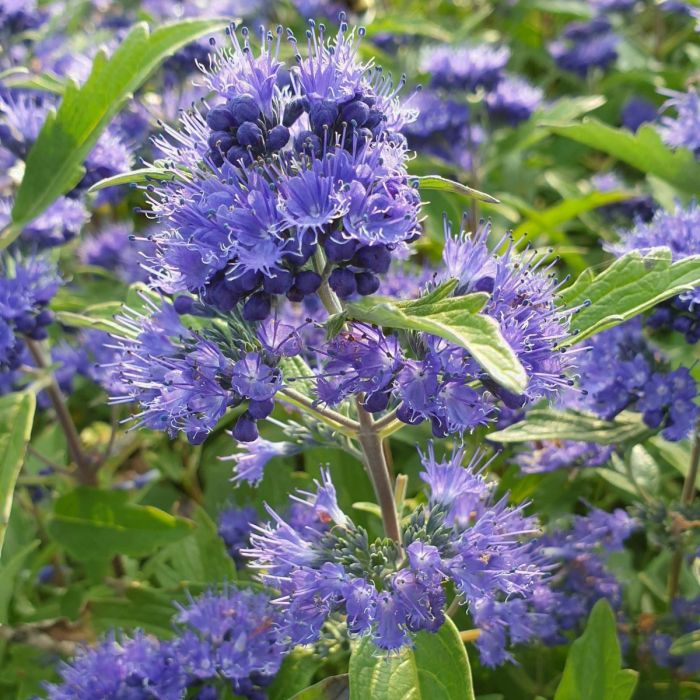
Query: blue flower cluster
{"x": 678, "y": 230}
{"x": 623, "y": 372}
{"x": 442, "y": 382}
{"x": 290, "y": 181}
{"x": 389, "y": 590}
{"x": 681, "y": 131}
{"x": 224, "y": 641}
{"x": 583, "y": 46}
{"x": 27, "y": 285}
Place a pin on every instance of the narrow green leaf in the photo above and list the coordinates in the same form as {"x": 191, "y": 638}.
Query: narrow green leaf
{"x": 16, "y": 418}
{"x": 565, "y": 211}
{"x": 331, "y": 688}
{"x": 98, "y": 317}
{"x": 687, "y": 644}
{"x": 633, "y": 284}
{"x": 54, "y": 164}
{"x": 592, "y": 670}
{"x": 436, "y": 668}
{"x": 140, "y": 175}
{"x": 550, "y": 424}
{"x": 480, "y": 335}
{"x": 644, "y": 150}
{"x": 437, "y": 182}
{"x": 95, "y": 525}
{"x": 440, "y": 292}
{"x": 8, "y": 575}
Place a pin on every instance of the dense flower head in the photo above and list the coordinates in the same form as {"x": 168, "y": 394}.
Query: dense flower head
{"x": 17, "y": 16}
{"x": 462, "y": 535}
{"x": 442, "y": 129}
{"x": 682, "y": 130}
{"x": 27, "y": 285}
{"x": 678, "y": 230}
{"x": 234, "y": 528}
{"x": 185, "y": 381}
{"x": 58, "y": 224}
{"x": 622, "y": 371}
{"x": 280, "y": 174}
{"x": 113, "y": 248}
{"x": 512, "y": 101}
{"x": 636, "y": 207}
{"x": 637, "y": 111}
{"x": 550, "y": 455}
{"x": 583, "y": 46}
{"x": 464, "y": 67}
{"x": 440, "y": 381}
{"x": 224, "y": 639}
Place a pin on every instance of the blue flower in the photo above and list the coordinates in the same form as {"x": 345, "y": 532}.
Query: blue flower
{"x": 681, "y": 131}
{"x": 464, "y": 67}
{"x": 584, "y": 46}
{"x": 512, "y": 101}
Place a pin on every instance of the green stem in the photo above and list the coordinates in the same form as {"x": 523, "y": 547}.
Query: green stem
{"x": 333, "y": 419}
{"x": 687, "y": 496}
{"x": 84, "y": 472}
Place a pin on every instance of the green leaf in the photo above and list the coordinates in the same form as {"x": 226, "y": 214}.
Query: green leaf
{"x": 331, "y": 688}
{"x": 644, "y": 150}
{"x": 550, "y": 424}
{"x": 436, "y": 668}
{"x": 139, "y": 175}
{"x": 98, "y": 317}
{"x": 200, "y": 558}
{"x": 295, "y": 674}
{"x": 16, "y": 418}
{"x": 443, "y": 184}
{"x": 634, "y": 283}
{"x": 687, "y": 644}
{"x": 8, "y": 573}
{"x": 480, "y": 335}
{"x": 592, "y": 670}
{"x": 54, "y": 164}
{"x": 562, "y": 212}
{"x": 96, "y": 525}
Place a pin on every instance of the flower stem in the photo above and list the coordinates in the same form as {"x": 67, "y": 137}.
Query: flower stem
{"x": 687, "y": 496}
{"x": 84, "y": 472}
{"x": 375, "y": 461}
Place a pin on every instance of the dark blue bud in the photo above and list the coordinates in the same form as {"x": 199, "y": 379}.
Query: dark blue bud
{"x": 653, "y": 418}
{"x": 376, "y": 401}
{"x": 44, "y": 317}
{"x": 245, "y": 282}
{"x": 245, "y": 429}
{"x": 243, "y": 109}
{"x": 278, "y": 138}
{"x": 220, "y": 119}
{"x": 183, "y": 304}
{"x": 342, "y": 282}
{"x": 323, "y": 113}
{"x": 355, "y": 111}
{"x": 367, "y": 283}
{"x": 236, "y": 154}
{"x": 439, "y": 426}
{"x": 295, "y": 294}
{"x": 294, "y": 110}
{"x": 407, "y": 416}
{"x": 308, "y": 142}
{"x": 220, "y": 140}
{"x": 25, "y": 323}
{"x": 216, "y": 157}
{"x": 39, "y": 334}
{"x": 278, "y": 282}
{"x": 339, "y": 251}
{"x": 376, "y": 258}
{"x": 249, "y": 134}
{"x": 257, "y": 307}
{"x": 196, "y": 437}
{"x": 261, "y": 409}
{"x": 484, "y": 284}
{"x": 307, "y": 281}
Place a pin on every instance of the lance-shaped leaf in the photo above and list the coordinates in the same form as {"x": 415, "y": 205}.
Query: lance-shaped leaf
{"x": 54, "y": 165}
{"x": 479, "y": 334}
{"x": 437, "y": 182}
{"x": 16, "y": 418}
{"x": 550, "y": 424}
{"x": 634, "y": 283}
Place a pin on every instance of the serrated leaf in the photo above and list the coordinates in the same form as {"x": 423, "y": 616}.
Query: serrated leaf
{"x": 633, "y": 284}
{"x": 592, "y": 670}
{"x": 95, "y": 525}
{"x": 551, "y": 424}
{"x": 54, "y": 164}
{"x": 480, "y": 335}
{"x": 16, "y": 419}
{"x": 436, "y": 668}
{"x": 443, "y": 184}
{"x": 643, "y": 150}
